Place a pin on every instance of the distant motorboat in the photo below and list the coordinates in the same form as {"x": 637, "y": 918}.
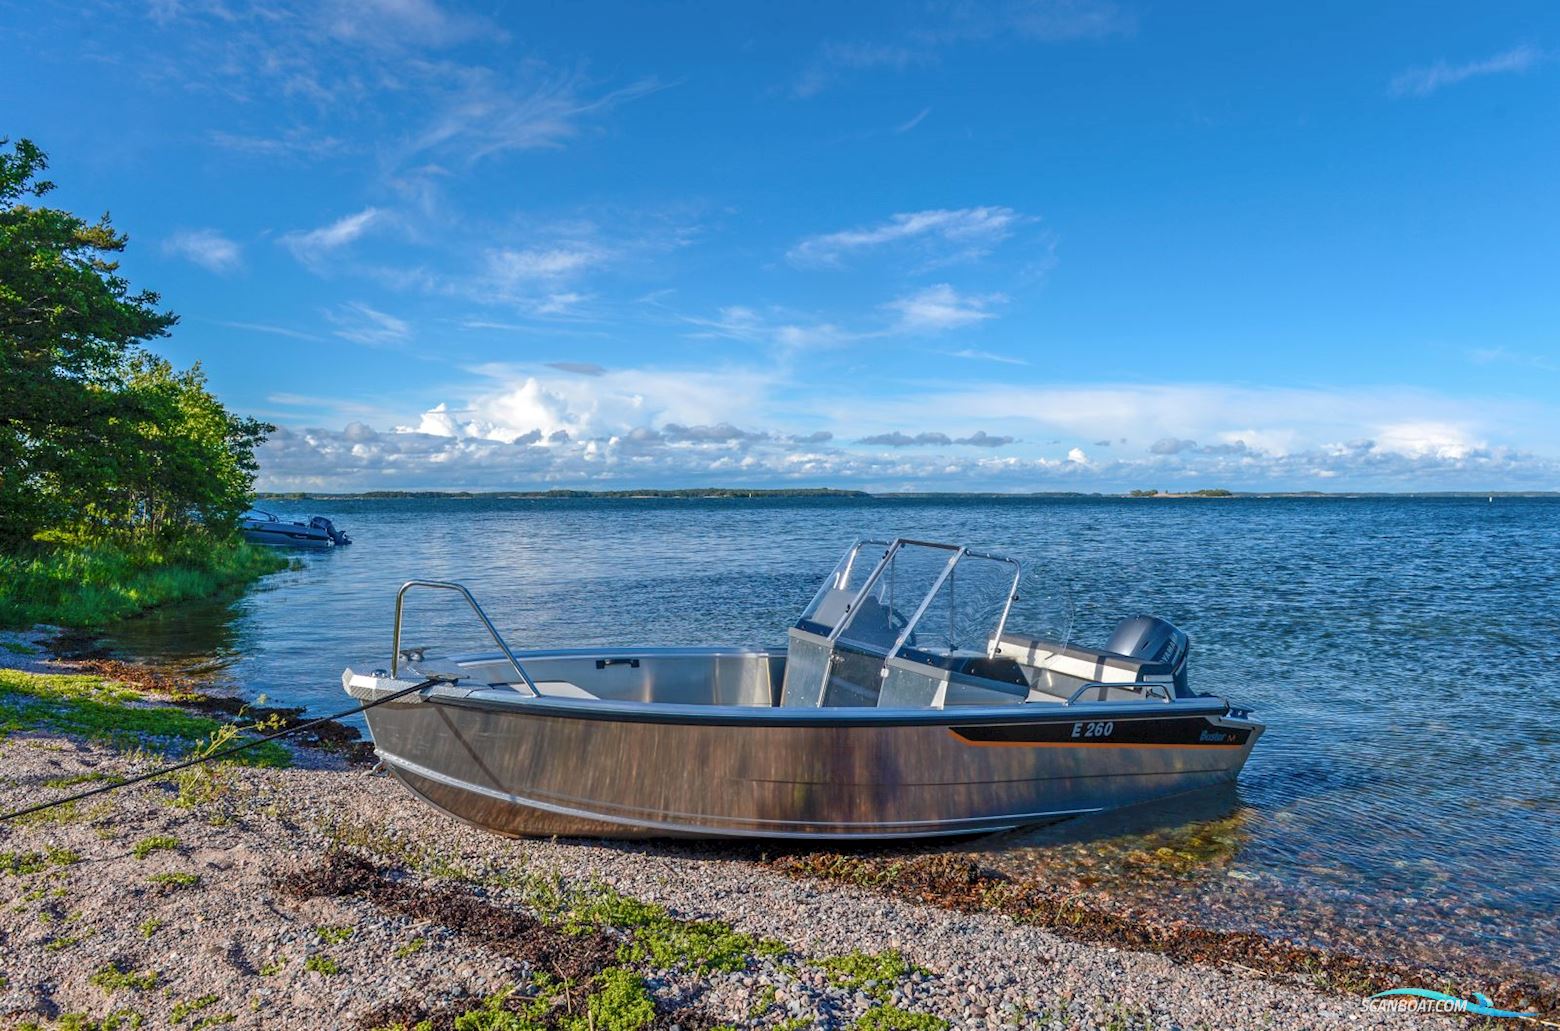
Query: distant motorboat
{"x": 264, "y": 528}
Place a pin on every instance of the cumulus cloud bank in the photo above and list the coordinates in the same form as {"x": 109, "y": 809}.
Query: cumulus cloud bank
{"x": 624, "y": 427}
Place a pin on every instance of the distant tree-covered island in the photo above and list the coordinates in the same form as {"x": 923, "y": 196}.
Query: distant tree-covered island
{"x": 545, "y": 495}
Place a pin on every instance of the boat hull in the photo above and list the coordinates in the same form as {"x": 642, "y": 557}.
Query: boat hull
{"x": 551, "y": 766}
{"x": 287, "y": 536}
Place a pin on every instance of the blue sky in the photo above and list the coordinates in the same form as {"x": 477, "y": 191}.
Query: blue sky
{"x": 1052, "y": 245}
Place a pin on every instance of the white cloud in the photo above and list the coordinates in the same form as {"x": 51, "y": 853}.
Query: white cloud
{"x": 511, "y": 267}
{"x": 482, "y": 113}
{"x": 946, "y": 235}
{"x": 368, "y": 326}
{"x": 316, "y": 245}
{"x": 206, "y": 248}
{"x": 1421, "y": 82}
{"x": 986, "y": 356}
{"x": 941, "y": 307}
{"x": 388, "y": 24}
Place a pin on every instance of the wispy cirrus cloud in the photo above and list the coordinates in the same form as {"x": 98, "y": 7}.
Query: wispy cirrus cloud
{"x": 941, "y": 307}
{"x": 314, "y": 246}
{"x": 942, "y": 235}
{"x": 207, "y": 248}
{"x": 1421, "y": 82}
{"x": 940, "y": 25}
{"x": 368, "y": 326}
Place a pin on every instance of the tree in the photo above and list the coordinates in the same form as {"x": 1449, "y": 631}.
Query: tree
{"x": 188, "y": 459}
{"x": 95, "y": 433}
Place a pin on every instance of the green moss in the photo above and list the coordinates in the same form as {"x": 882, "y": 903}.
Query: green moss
{"x": 189, "y": 1007}
{"x": 274, "y": 967}
{"x": 619, "y": 1003}
{"x": 707, "y": 946}
{"x": 156, "y": 843}
{"x": 322, "y": 964}
{"x": 410, "y": 948}
{"x": 335, "y": 934}
{"x": 19, "y": 864}
{"x": 495, "y": 1014}
{"x": 64, "y": 942}
{"x": 89, "y": 585}
{"x": 114, "y": 1020}
{"x": 112, "y": 979}
{"x": 175, "y": 880}
{"x": 872, "y": 972}
{"x": 892, "y": 1018}
{"x": 214, "y": 1020}
{"x": 104, "y": 711}
{"x": 149, "y": 926}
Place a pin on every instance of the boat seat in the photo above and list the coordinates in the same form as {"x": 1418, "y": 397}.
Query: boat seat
{"x": 562, "y": 689}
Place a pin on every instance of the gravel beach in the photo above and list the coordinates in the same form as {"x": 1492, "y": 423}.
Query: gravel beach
{"x": 323, "y": 895}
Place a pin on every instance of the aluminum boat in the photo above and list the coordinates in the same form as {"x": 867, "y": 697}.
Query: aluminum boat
{"x": 901, "y": 706}
{"x": 264, "y": 528}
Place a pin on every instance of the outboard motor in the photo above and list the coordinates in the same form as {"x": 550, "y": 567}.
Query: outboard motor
{"x": 338, "y": 536}
{"x": 1153, "y": 640}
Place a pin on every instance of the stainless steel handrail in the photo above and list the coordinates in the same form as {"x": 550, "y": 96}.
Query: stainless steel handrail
{"x": 1144, "y": 687}
{"x": 442, "y": 585}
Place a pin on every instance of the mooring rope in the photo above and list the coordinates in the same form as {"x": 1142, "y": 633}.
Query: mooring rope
{"x": 222, "y": 754}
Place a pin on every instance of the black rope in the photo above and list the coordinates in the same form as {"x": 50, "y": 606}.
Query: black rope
{"x": 224, "y": 753}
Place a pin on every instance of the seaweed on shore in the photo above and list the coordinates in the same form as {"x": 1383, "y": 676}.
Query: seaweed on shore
{"x": 185, "y": 691}
{"x": 958, "y": 883}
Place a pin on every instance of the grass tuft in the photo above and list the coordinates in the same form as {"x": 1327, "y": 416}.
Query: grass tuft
{"x": 156, "y": 843}
{"x": 872, "y": 972}
{"x": 112, "y": 979}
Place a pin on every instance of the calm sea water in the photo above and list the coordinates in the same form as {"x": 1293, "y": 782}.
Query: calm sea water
{"x": 1405, "y": 654}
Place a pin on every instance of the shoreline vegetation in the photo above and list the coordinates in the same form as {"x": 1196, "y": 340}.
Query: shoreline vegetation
{"x": 88, "y": 585}
{"x": 299, "y": 890}
{"x": 122, "y": 479}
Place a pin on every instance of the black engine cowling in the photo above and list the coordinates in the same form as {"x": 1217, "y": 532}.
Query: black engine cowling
{"x": 1153, "y": 640}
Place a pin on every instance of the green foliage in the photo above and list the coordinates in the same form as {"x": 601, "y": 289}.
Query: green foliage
{"x": 322, "y": 964}
{"x": 96, "y": 435}
{"x": 873, "y": 972}
{"x": 184, "y": 1009}
{"x": 892, "y": 1018}
{"x": 149, "y": 926}
{"x": 704, "y": 945}
{"x": 114, "y": 1020}
{"x": 175, "y": 880}
{"x": 68, "y": 582}
{"x": 411, "y": 948}
{"x": 156, "y": 843}
{"x": 18, "y": 864}
{"x": 112, "y": 979}
{"x": 335, "y": 934}
{"x": 102, "y": 710}
{"x": 619, "y": 1003}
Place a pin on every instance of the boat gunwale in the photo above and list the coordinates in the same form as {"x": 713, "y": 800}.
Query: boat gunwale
{"x": 505, "y": 700}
